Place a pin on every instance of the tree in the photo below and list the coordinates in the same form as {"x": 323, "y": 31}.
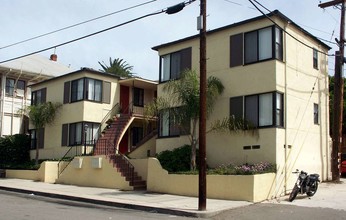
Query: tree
{"x": 117, "y": 67}
{"x": 185, "y": 94}
{"x": 41, "y": 115}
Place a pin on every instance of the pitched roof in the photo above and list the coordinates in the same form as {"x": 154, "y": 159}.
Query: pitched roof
{"x": 274, "y": 13}
{"x": 36, "y": 65}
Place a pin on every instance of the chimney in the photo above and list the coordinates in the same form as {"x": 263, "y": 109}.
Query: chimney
{"x": 53, "y": 57}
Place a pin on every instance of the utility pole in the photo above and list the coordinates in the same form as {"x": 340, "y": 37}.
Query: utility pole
{"x": 338, "y": 92}
{"x": 202, "y": 180}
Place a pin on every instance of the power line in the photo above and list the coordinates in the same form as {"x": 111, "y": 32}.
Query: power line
{"x": 74, "y": 25}
{"x": 319, "y": 51}
{"x": 98, "y": 32}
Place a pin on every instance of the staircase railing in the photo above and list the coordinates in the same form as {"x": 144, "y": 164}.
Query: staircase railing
{"x": 115, "y": 109}
{"x": 68, "y": 159}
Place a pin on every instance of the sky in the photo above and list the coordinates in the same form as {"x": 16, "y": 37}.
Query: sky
{"x": 24, "y": 19}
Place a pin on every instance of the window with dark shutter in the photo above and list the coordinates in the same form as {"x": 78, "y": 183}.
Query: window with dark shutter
{"x": 236, "y": 107}
{"x": 106, "y": 95}
{"x": 64, "y": 135}
{"x": 236, "y": 50}
{"x": 67, "y": 92}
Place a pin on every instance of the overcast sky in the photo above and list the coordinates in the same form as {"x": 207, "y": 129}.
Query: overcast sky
{"x": 23, "y": 19}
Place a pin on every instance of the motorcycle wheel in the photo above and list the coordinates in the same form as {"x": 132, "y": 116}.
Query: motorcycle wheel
{"x": 313, "y": 189}
{"x": 294, "y": 193}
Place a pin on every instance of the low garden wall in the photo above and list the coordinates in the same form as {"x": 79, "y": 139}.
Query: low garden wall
{"x": 48, "y": 172}
{"x": 252, "y": 188}
{"x": 93, "y": 171}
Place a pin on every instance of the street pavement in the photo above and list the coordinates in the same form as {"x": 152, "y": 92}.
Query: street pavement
{"x": 329, "y": 195}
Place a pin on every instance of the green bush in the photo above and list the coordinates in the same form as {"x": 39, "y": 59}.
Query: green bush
{"x": 14, "y": 150}
{"x": 177, "y": 160}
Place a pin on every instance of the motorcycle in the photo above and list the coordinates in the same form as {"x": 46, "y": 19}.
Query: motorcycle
{"x": 305, "y": 184}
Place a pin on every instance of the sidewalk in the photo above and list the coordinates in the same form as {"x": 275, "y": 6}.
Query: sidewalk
{"x": 329, "y": 195}
{"x": 139, "y": 200}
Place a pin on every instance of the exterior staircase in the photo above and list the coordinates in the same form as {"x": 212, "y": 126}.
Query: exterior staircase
{"x": 128, "y": 171}
{"x": 108, "y": 145}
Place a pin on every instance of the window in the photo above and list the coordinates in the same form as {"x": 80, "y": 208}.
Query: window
{"x": 137, "y": 135}
{"x": 173, "y": 64}
{"x": 262, "y": 110}
{"x": 77, "y": 90}
{"x": 316, "y": 114}
{"x": 14, "y": 88}
{"x": 138, "y": 97}
{"x": 94, "y": 90}
{"x": 169, "y": 124}
{"x": 81, "y": 132}
{"x": 38, "y": 96}
{"x": 84, "y": 89}
{"x": 315, "y": 59}
{"x": 258, "y": 45}
{"x": 36, "y": 138}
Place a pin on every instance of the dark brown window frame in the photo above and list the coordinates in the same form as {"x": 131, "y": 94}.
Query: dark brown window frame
{"x": 185, "y": 63}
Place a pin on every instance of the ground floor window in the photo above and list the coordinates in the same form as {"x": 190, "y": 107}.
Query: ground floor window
{"x": 36, "y": 138}
{"x": 80, "y": 133}
{"x": 170, "y": 123}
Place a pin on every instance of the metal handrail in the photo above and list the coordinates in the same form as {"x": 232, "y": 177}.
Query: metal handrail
{"x": 69, "y": 161}
{"x": 111, "y": 112}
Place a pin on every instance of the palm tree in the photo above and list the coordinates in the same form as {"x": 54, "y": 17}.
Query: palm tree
{"x": 185, "y": 91}
{"x": 117, "y": 67}
{"x": 41, "y": 115}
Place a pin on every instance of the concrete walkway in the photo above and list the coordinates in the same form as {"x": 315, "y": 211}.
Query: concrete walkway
{"x": 140, "y": 200}
{"x": 329, "y": 195}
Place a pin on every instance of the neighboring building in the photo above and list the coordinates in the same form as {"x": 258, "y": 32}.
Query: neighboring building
{"x": 275, "y": 77}
{"x": 99, "y": 110}
{"x": 16, "y": 76}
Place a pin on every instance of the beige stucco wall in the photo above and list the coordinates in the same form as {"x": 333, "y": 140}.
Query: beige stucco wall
{"x": 253, "y": 188}
{"x": 142, "y": 151}
{"x": 72, "y": 112}
{"x": 47, "y": 173}
{"x": 295, "y": 77}
{"x": 141, "y": 167}
{"x": 82, "y": 173}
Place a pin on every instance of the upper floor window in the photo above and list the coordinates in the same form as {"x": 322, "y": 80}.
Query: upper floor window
{"x": 173, "y": 64}
{"x": 77, "y": 90}
{"x": 38, "y": 96}
{"x": 94, "y": 90}
{"x": 84, "y": 89}
{"x": 262, "y": 110}
{"x": 255, "y": 46}
{"x": 315, "y": 59}
{"x": 138, "y": 97}
{"x": 316, "y": 114}
{"x": 15, "y": 88}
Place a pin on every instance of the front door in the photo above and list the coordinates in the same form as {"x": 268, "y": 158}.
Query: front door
{"x": 124, "y": 99}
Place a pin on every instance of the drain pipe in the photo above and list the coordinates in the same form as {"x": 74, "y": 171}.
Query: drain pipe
{"x": 285, "y": 108}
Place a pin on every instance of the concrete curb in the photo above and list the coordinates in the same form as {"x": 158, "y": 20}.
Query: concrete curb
{"x": 197, "y": 214}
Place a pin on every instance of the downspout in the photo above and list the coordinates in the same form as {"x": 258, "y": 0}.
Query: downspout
{"x": 285, "y": 108}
